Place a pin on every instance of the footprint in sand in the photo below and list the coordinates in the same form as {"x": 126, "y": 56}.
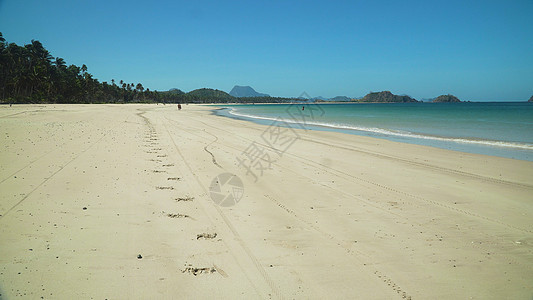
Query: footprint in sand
{"x": 173, "y": 216}
{"x": 164, "y": 187}
{"x": 197, "y": 271}
{"x": 206, "y": 236}
{"x": 184, "y": 199}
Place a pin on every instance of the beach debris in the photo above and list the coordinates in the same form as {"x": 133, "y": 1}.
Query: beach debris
{"x": 206, "y": 236}
{"x": 84, "y": 208}
{"x": 139, "y": 256}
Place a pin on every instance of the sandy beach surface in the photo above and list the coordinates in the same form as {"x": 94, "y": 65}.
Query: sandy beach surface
{"x": 114, "y": 202}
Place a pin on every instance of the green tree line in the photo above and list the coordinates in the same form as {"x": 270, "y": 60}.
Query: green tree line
{"x": 30, "y": 74}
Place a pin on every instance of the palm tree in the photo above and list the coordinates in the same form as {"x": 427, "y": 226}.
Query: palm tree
{"x": 57, "y": 76}
{"x": 38, "y": 64}
{"x": 60, "y": 63}
{"x": 3, "y": 65}
{"x": 2, "y": 41}
{"x": 39, "y": 52}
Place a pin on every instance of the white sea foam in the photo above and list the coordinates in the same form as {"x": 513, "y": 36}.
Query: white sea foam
{"x": 388, "y": 132}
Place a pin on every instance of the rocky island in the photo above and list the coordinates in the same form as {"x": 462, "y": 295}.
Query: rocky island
{"x": 386, "y": 97}
{"x": 446, "y": 99}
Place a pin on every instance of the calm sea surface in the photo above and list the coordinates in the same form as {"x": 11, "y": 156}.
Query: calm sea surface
{"x": 501, "y": 129}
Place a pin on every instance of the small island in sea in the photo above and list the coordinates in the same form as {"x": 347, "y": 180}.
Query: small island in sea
{"x": 386, "y": 97}
{"x": 446, "y": 99}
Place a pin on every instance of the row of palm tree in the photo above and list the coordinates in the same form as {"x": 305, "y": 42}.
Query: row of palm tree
{"x": 31, "y": 74}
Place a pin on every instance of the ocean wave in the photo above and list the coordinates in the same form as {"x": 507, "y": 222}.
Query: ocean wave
{"x": 396, "y": 133}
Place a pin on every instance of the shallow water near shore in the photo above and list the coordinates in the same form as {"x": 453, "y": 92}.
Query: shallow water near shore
{"x": 502, "y": 129}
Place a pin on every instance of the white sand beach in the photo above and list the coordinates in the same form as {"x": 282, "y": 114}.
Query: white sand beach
{"x": 86, "y": 189}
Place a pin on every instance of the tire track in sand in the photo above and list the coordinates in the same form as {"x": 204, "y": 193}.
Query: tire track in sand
{"x": 378, "y": 205}
{"x": 388, "y": 188}
{"x": 230, "y": 226}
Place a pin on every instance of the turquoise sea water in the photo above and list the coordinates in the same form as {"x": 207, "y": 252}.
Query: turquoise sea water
{"x": 501, "y": 129}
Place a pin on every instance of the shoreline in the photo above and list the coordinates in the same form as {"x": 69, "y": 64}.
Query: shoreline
{"x": 513, "y": 150}
{"x": 87, "y": 189}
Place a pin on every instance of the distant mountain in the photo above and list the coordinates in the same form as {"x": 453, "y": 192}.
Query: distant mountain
{"x": 209, "y": 94}
{"x": 319, "y": 98}
{"x": 386, "y": 97}
{"x": 530, "y": 99}
{"x": 427, "y": 99}
{"x": 176, "y": 91}
{"x": 340, "y": 99}
{"x": 446, "y": 98}
{"x": 245, "y": 91}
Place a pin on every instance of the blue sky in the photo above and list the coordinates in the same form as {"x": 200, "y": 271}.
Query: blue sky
{"x": 476, "y": 50}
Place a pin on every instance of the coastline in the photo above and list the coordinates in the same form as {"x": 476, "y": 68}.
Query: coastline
{"x": 335, "y": 215}
{"x": 486, "y": 146}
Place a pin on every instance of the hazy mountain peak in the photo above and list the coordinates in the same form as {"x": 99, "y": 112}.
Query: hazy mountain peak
{"x": 245, "y": 91}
